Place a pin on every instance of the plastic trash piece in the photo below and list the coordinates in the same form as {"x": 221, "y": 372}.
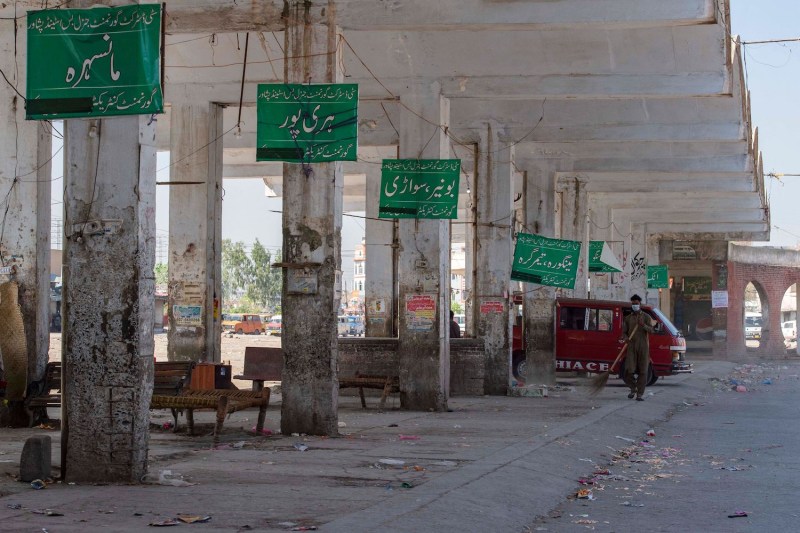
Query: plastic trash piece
{"x": 38, "y": 484}
{"x": 167, "y": 478}
{"x": 392, "y": 462}
{"x": 738, "y": 514}
{"x": 299, "y": 446}
{"x": 767, "y": 382}
{"x": 265, "y": 432}
{"x": 304, "y": 528}
{"x": 651, "y": 432}
{"x": 192, "y": 519}
{"x": 741, "y": 388}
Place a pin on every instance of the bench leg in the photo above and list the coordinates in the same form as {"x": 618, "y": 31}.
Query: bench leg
{"x": 363, "y": 401}
{"x": 190, "y": 420}
{"x": 175, "y": 416}
{"x": 222, "y": 410}
{"x": 262, "y": 412}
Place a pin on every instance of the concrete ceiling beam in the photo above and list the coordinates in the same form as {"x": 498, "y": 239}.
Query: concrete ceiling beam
{"x": 192, "y": 16}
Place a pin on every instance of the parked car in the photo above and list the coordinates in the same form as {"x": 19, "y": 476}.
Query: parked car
{"x": 789, "y": 330}
{"x": 461, "y": 320}
{"x": 229, "y": 321}
{"x": 274, "y": 325}
{"x": 250, "y": 324}
{"x": 587, "y": 334}
{"x": 752, "y": 326}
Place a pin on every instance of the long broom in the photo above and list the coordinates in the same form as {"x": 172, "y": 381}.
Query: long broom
{"x": 598, "y": 383}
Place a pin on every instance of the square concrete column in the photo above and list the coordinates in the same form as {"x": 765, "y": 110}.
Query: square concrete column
{"x": 424, "y": 265}
{"x": 25, "y": 181}
{"x": 494, "y": 255}
{"x": 195, "y": 231}
{"x": 109, "y": 254}
{"x": 574, "y": 225}
{"x": 312, "y": 239}
{"x": 470, "y": 266}
{"x": 540, "y": 218}
{"x": 380, "y": 266}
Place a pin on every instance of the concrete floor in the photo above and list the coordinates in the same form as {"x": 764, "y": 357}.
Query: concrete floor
{"x": 492, "y": 464}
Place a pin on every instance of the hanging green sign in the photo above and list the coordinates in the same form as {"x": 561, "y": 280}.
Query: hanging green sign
{"x": 97, "y": 62}
{"x": 658, "y": 277}
{"x": 602, "y": 259}
{"x": 552, "y": 262}
{"x": 307, "y": 123}
{"x": 419, "y": 188}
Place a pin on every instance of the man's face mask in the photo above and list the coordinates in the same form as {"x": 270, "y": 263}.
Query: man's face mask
{"x": 635, "y": 307}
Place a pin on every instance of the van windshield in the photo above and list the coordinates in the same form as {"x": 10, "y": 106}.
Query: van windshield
{"x": 667, "y": 324}
{"x": 752, "y": 321}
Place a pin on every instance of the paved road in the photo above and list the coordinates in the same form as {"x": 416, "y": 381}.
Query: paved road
{"x": 720, "y": 454}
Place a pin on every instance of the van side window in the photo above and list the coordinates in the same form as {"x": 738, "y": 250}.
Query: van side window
{"x": 586, "y": 319}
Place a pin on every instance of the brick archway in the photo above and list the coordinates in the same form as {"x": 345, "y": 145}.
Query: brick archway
{"x": 771, "y": 282}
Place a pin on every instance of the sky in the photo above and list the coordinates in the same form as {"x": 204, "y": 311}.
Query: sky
{"x": 773, "y": 76}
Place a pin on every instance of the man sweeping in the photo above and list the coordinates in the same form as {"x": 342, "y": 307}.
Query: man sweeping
{"x": 638, "y": 356}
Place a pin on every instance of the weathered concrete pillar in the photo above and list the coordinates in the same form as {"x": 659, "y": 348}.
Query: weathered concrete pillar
{"x": 470, "y": 270}
{"x": 719, "y": 316}
{"x": 109, "y": 254}
{"x": 312, "y": 226}
{"x": 494, "y": 255}
{"x": 195, "y": 232}
{"x": 573, "y": 224}
{"x": 424, "y": 266}
{"x": 380, "y": 266}
{"x": 25, "y": 174}
{"x": 540, "y": 215}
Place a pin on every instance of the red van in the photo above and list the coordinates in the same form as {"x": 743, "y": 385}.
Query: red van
{"x": 587, "y": 334}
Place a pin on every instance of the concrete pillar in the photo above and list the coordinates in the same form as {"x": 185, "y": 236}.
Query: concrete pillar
{"x": 574, "y": 224}
{"x": 540, "y": 215}
{"x": 424, "y": 265}
{"x": 25, "y": 181}
{"x": 470, "y": 270}
{"x": 380, "y": 265}
{"x": 195, "y": 231}
{"x": 495, "y": 216}
{"x": 719, "y": 316}
{"x": 109, "y": 254}
{"x": 312, "y": 226}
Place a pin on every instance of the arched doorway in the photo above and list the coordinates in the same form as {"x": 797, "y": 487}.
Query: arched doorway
{"x": 755, "y": 315}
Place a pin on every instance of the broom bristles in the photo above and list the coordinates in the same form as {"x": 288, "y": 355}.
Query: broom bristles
{"x": 598, "y": 382}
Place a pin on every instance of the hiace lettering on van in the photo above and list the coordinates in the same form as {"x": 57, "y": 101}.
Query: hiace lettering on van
{"x": 577, "y": 366}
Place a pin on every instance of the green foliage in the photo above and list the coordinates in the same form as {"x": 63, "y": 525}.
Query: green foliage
{"x": 265, "y": 288}
{"x": 248, "y": 281}
{"x": 456, "y": 307}
{"x": 161, "y": 274}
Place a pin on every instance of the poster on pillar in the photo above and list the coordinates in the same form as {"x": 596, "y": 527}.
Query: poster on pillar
{"x": 98, "y": 62}
{"x": 658, "y": 277}
{"x": 552, "y": 262}
{"x": 419, "y": 188}
{"x": 307, "y": 123}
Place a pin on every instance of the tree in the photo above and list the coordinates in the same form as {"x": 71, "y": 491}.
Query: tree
{"x": 161, "y": 274}
{"x": 455, "y": 307}
{"x": 265, "y": 289}
{"x": 237, "y": 270}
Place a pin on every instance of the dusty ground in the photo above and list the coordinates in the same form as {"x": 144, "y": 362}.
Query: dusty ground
{"x": 232, "y": 350}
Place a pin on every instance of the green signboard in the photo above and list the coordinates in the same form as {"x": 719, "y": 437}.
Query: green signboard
{"x": 552, "y": 262}
{"x": 419, "y": 188}
{"x": 307, "y": 123}
{"x": 697, "y": 286}
{"x": 602, "y": 259}
{"x": 658, "y": 277}
{"x": 97, "y": 62}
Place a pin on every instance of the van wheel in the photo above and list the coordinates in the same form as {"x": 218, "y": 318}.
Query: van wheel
{"x": 519, "y": 366}
{"x": 257, "y": 332}
{"x": 239, "y": 331}
{"x": 651, "y": 376}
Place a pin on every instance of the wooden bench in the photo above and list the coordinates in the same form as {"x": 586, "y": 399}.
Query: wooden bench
{"x": 261, "y": 364}
{"x": 171, "y": 391}
{"x": 44, "y": 393}
{"x": 388, "y": 384}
